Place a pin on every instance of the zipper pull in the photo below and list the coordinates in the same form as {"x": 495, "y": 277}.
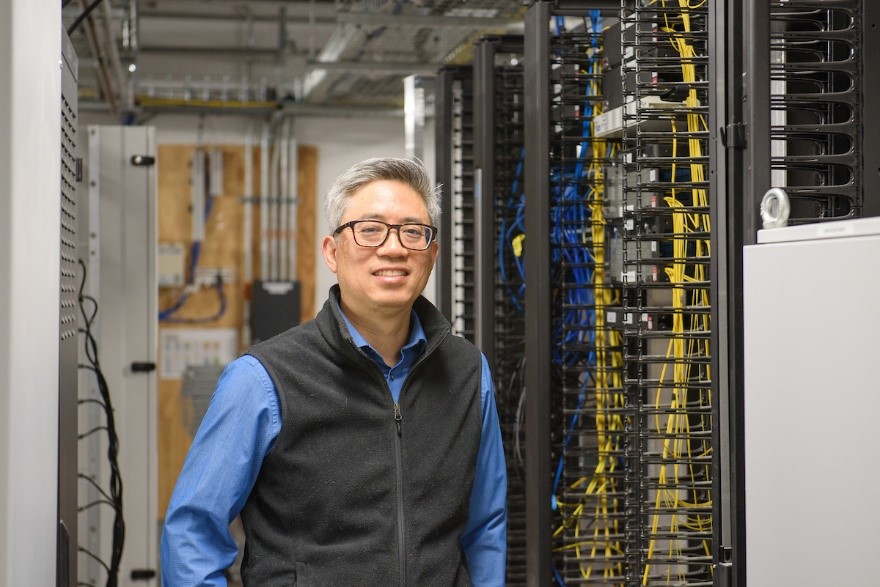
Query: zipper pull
{"x": 398, "y": 418}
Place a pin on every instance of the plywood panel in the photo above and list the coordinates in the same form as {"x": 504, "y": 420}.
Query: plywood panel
{"x": 307, "y": 185}
{"x": 221, "y": 249}
{"x": 175, "y": 216}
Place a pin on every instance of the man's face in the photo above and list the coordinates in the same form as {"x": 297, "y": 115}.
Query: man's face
{"x": 386, "y": 278}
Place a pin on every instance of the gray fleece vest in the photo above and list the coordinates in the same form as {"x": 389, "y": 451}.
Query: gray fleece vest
{"x": 357, "y": 490}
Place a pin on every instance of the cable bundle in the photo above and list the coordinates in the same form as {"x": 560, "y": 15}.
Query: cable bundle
{"x": 587, "y": 353}
{"x": 112, "y": 497}
{"x": 509, "y": 324}
{"x": 667, "y": 259}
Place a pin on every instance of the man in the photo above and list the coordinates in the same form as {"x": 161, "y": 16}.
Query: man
{"x": 362, "y": 447}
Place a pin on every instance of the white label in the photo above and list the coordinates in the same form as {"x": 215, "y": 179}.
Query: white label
{"x": 832, "y": 230}
{"x": 277, "y": 288}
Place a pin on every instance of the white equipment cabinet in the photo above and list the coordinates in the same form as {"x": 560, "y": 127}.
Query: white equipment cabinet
{"x": 122, "y": 277}
{"x": 812, "y": 399}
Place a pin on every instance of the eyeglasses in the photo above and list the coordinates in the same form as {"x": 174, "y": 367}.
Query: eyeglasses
{"x": 374, "y": 233}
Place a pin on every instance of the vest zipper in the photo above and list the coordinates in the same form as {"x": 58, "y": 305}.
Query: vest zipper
{"x": 398, "y": 419}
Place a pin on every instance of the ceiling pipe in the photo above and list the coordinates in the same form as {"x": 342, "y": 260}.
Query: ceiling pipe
{"x": 282, "y": 48}
{"x": 104, "y": 80}
{"x": 379, "y": 66}
{"x": 270, "y": 52}
{"x": 430, "y": 21}
{"x": 115, "y": 62}
{"x": 263, "y": 18}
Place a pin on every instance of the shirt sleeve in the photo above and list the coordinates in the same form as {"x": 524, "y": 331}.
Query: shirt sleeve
{"x": 484, "y": 539}
{"x": 239, "y": 428}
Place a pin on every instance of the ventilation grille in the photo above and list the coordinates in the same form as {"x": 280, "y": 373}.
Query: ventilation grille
{"x": 462, "y": 193}
{"x": 68, "y": 325}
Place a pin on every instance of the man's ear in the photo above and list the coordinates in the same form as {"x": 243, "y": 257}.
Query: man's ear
{"x": 435, "y": 250}
{"x": 328, "y": 249}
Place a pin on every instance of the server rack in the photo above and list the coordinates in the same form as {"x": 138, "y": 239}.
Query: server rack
{"x": 667, "y": 307}
{"x": 498, "y": 161}
{"x": 557, "y": 102}
{"x": 818, "y": 75}
{"x": 789, "y": 78}
{"x": 708, "y": 124}
{"x": 589, "y": 502}
{"x": 455, "y": 173}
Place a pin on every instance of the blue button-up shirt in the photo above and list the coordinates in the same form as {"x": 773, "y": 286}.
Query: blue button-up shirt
{"x": 239, "y": 429}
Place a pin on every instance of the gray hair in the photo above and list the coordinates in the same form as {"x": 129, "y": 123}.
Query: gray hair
{"x": 409, "y": 171}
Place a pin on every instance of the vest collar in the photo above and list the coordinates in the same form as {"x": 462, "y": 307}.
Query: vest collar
{"x": 332, "y": 324}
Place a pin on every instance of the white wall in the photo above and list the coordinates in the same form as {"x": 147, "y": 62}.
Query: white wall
{"x": 30, "y": 155}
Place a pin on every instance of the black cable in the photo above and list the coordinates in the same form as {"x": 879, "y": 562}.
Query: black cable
{"x": 92, "y": 504}
{"x": 95, "y": 485}
{"x": 94, "y": 556}
{"x": 91, "y": 351}
{"x": 64, "y": 3}
{"x": 85, "y": 13}
{"x": 92, "y": 431}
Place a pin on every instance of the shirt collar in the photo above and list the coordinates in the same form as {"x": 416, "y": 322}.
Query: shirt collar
{"x": 417, "y": 339}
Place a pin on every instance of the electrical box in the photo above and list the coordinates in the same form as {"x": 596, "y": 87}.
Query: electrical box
{"x": 172, "y": 265}
{"x": 275, "y": 308}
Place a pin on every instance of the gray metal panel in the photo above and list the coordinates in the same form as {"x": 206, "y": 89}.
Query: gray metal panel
{"x": 66, "y": 571}
{"x": 455, "y": 172}
{"x": 811, "y": 405}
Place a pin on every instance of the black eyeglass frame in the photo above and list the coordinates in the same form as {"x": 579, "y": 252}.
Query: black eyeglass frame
{"x": 351, "y": 224}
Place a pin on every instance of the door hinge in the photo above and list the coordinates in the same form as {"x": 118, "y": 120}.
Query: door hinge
{"x": 143, "y": 160}
{"x": 734, "y": 135}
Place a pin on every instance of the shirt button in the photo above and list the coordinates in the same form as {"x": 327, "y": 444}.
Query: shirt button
{"x": 391, "y": 376}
